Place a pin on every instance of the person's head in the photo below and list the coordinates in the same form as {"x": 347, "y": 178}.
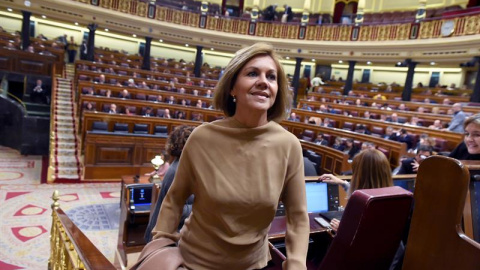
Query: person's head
{"x": 401, "y": 106}
{"x": 472, "y": 134}
{"x": 102, "y": 77}
{"x": 366, "y": 114}
{"x": 423, "y": 152}
{"x": 167, "y": 112}
{"x": 113, "y": 107}
{"x": 108, "y": 93}
{"x": 124, "y": 92}
{"x": 394, "y": 116}
{"x": 437, "y": 123}
{"x": 349, "y": 143}
{"x": 421, "y": 110}
{"x": 177, "y": 139}
{"x": 184, "y": 102}
{"x": 389, "y": 130}
{"x": 446, "y": 101}
{"x": 89, "y": 106}
{"x": 230, "y": 84}
{"x": 456, "y": 107}
{"x": 370, "y": 169}
{"x": 320, "y": 136}
{"x": 39, "y": 82}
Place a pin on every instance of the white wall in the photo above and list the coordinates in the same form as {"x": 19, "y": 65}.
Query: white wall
{"x": 177, "y": 52}
{"x": 11, "y": 24}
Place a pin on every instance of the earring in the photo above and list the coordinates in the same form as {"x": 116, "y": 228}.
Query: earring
{"x": 234, "y": 99}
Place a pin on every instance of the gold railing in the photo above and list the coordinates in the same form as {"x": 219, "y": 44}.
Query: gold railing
{"x": 69, "y": 247}
{"x": 464, "y": 25}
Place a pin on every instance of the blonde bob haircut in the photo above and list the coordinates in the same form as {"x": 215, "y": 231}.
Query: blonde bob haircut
{"x": 475, "y": 119}
{"x": 223, "y": 99}
{"x": 370, "y": 169}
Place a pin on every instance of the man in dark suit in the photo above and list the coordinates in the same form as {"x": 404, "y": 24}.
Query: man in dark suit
{"x": 410, "y": 165}
{"x": 320, "y": 140}
{"x": 39, "y": 93}
{"x": 288, "y": 12}
{"x": 269, "y": 13}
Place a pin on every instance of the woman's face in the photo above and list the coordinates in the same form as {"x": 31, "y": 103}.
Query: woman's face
{"x": 256, "y": 86}
{"x": 472, "y": 138}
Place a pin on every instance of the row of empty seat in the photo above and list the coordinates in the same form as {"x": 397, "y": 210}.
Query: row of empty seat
{"x": 122, "y": 128}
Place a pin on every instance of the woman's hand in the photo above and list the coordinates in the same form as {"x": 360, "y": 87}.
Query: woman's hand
{"x": 330, "y": 179}
{"x": 335, "y": 223}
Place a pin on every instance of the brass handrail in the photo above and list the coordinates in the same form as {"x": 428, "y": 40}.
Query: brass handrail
{"x": 17, "y": 99}
{"x": 69, "y": 247}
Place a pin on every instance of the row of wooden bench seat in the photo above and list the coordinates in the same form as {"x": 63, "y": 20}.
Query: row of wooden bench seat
{"x": 452, "y": 139}
{"x": 390, "y": 95}
{"x": 411, "y": 106}
{"x": 425, "y": 119}
{"x": 140, "y": 73}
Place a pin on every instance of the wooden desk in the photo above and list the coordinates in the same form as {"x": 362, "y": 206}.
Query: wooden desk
{"x": 279, "y": 227}
{"x": 131, "y": 234}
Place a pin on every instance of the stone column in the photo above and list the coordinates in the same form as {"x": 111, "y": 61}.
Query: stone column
{"x": 296, "y": 80}
{"x": 198, "y": 62}
{"x": 349, "y": 81}
{"x": 475, "y": 97}
{"x": 407, "y": 90}
{"x": 91, "y": 42}
{"x": 146, "y": 53}
{"x": 26, "y": 29}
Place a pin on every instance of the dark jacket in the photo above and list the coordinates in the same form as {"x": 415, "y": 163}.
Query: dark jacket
{"x": 166, "y": 183}
{"x": 407, "y": 167}
{"x": 461, "y": 153}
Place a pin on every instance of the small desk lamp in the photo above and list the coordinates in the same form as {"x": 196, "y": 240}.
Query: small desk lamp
{"x": 156, "y": 163}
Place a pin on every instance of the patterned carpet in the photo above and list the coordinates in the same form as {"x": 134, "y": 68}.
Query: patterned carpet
{"x": 25, "y": 213}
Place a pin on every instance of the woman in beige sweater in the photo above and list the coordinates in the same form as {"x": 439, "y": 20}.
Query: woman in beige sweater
{"x": 238, "y": 169}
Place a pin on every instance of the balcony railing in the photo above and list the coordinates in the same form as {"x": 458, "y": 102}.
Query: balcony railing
{"x": 464, "y": 24}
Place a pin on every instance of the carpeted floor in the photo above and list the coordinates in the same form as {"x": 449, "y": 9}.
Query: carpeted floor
{"x": 25, "y": 213}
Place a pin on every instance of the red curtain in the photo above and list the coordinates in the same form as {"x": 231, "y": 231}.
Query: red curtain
{"x": 337, "y": 13}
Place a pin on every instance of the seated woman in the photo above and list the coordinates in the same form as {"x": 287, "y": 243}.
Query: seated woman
{"x": 370, "y": 169}
{"x": 175, "y": 143}
{"x": 469, "y": 149}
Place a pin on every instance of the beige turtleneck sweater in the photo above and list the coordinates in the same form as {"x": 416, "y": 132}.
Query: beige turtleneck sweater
{"x": 238, "y": 175}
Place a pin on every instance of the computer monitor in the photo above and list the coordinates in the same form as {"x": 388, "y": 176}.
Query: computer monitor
{"x": 140, "y": 197}
{"x": 321, "y": 197}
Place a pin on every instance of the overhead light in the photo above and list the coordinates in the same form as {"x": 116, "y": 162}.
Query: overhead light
{"x": 432, "y": 63}
{"x": 287, "y": 57}
{"x": 186, "y": 45}
{"x": 340, "y": 61}
{"x": 9, "y": 9}
{"x": 161, "y": 40}
{"x": 369, "y": 63}
{"x": 134, "y": 35}
{"x": 76, "y": 23}
{"x": 399, "y": 63}
{"x": 43, "y": 16}
{"x": 27, "y": 3}
{"x": 313, "y": 60}
{"x": 212, "y": 49}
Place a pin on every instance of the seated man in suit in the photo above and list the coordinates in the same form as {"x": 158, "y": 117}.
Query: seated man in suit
{"x": 148, "y": 112}
{"x": 113, "y": 108}
{"x": 410, "y": 165}
{"x": 101, "y": 79}
{"x": 124, "y": 94}
{"x": 293, "y": 117}
{"x": 320, "y": 140}
{"x": 39, "y": 93}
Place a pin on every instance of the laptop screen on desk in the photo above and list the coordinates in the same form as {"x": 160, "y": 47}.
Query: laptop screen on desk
{"x": 317, "y": 196}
